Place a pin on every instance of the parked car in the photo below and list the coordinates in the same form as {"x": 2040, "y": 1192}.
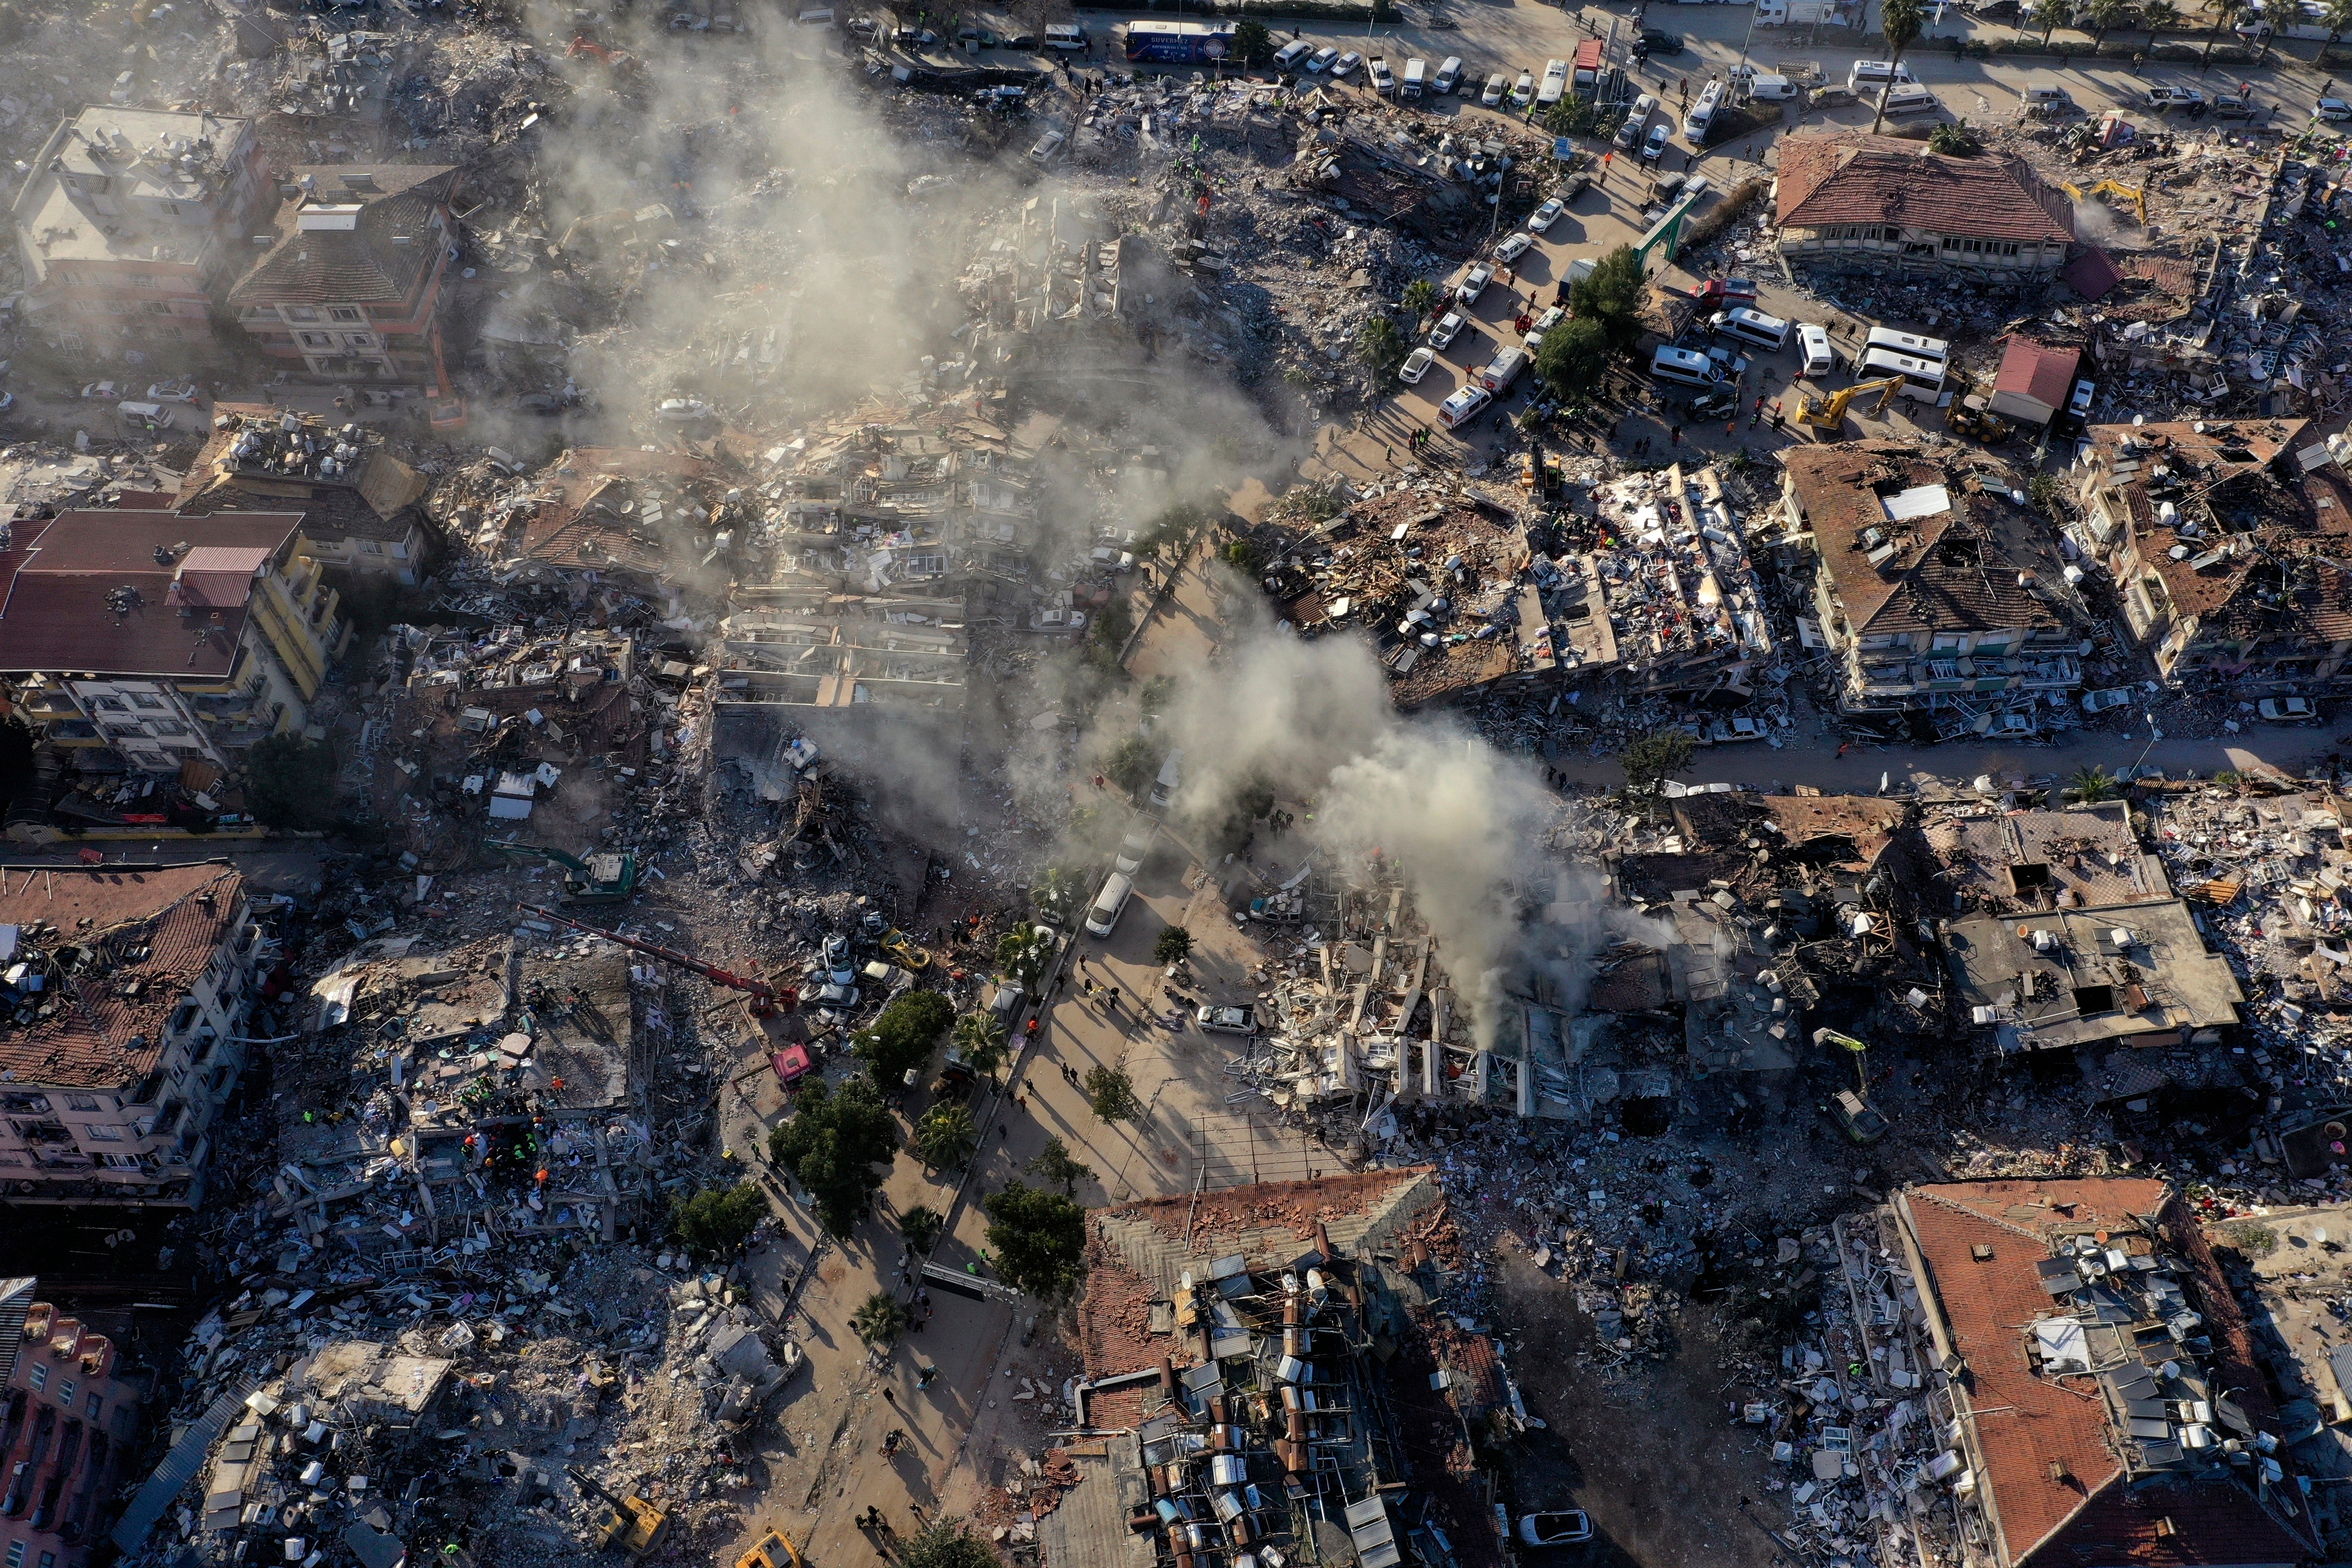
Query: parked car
{"x": 173, "y": 392}
{"x": 2332, "y": 110}
{"x": 2287, "y": 710}
{"x": 1565, "y": 1528}
{"x": 1654, "y": 42}
{"x": 1022, "y": 41}
{"x": 2175, "y": 98}
{"x": 1228, "y": 1020}
{"x": 101, "y": 390}
{"x": 1383, "y": 79}
{"x": 1544, "y": 216}
{"x": 1057, "y": 620}
{"x": 1416, "y": 364}
{"x": 2110, "y": 696}
{"x": 2236, "y": 108}
{"x": 1448, "y": 328}
{"x": 2079, "y": 406}
{"x": 1523, "y": 91}
{"x": 1466, "y": 403}
{"x": 683, "y": 410}
{"x": 1512, "y": 246}
{"x": 981, "y": 35}
{"x": 1722, "y": 293}
{"x": 917, "y": 38}
{"x": 1496, "y": 85}
{"x": 1346, "y": 63}
{"x": 1323, "y": 58}
{"x": 1637, "y": 120}
{"x": 1654, "y": 146}
{"x": 1473, "y": 283}
{"x": 1048, "y": 147}
{"x": 1716, "y": 405}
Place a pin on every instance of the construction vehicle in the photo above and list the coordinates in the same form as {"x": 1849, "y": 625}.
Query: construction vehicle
{"x": 1852, "y": 1112}
{"x": 2137, "y": 195}
{"x": 775, "y": 1550}
{"x": 604, "y": 877}
{"x": 900, "y": 949}
{"x": 1828, "y": 414}
{"x": 766, "y": 1000}
{"x": 1969, "y": 416}
{"x": 635, "y": 1525}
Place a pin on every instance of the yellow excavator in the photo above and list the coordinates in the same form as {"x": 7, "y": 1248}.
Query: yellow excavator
{"x": 1828, "y": 416}
{"x": 2137, "y": 195}
{"x": 635, "y": 1525}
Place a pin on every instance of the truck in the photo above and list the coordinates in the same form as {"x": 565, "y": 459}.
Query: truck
{"x": 1383, "y": 79}
{"x": 1178, "y": 43}
{"x": 1416, "y": 73}
{"x": 1588, "y": 68}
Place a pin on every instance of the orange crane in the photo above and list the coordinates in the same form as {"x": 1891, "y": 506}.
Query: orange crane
{"x": 766, "y": 1000}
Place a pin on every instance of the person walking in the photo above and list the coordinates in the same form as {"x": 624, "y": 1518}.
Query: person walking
{"x": 1675, "y": 436}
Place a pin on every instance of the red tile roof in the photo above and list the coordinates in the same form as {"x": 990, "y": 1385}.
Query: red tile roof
{"x": 1855, "y": 178}
{"x": 54, "y": 583}
{"x": 2027, "y": 1421}
{"x": 107, "y": 1036}
{"x": 2044, "y": 374}
{"x": 358, "y": 266}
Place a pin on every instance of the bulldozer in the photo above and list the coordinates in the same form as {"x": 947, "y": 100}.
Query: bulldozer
{"x": 775, "y": 1550}
{"x": 606, "y": 877}
{"x": 1828, "y": 414}
{"x": 634, "y": 1525}
{"x": 900, "y": 949}
{"x": 1968, "y": 416}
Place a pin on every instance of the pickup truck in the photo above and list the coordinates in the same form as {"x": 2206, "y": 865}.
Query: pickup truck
{"x": 1722, "y": 293}
{"x": 1384, "y": 80}
{"x": 2173, "y": 98}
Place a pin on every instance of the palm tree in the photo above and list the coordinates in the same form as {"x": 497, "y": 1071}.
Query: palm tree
{"x": 920, "y": 1226}
{"x": 946, "y": 1137}
{"x": 2159, "y": 16}
{"x": 2105, "y": 15}
{"x": 2338, "y": 15}
{"x": 2093, "y": 784}
{"x": 1379, "y": 345}
{"x": 2055, "y": 14}
{"x": 1420, "y": 295}
{"x": 1902, "y": 21}
{"x": 2225, "y": 12}
{"x": 878, "y": 1319}
{"x": 982, "y": 1039}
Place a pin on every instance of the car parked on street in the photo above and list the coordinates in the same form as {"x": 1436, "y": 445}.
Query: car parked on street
{"x": 1523, "y": 91}
{"x": 1416, "y": 364}
{"x": 1496, "y": 85}
{"x": 1346, "y": 63}
{"x": 1473, "y": 283}
{"x": 2332, "y": 110}
{"x": 1567, "y": 1526}
{"x": 2287, "y": 710}
{"x": 1544, "y": 216}
{"x": 1057, "y": 620}
{"x": 1323, "y": 58}
{"x": 1448, "y": 328}
{"x": 1654, "y": 146}
{"x": 2109, "y": 697}
{"x": 1228, "y": 1020}
{"x": 1512, "y": 246}
{"x": 2173, "y": 98}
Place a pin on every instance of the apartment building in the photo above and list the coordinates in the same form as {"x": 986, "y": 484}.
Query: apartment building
{"x": 362, "y": 508}
{"x": 127, "y": 225}
{"x": 1938, "y": 587}
{"x": 165, "y": 636}
{"x": 2221, "y": 551}
{"x": 68, "y": 1412}
{"x": 348, "y": 283}
{"x": 121, "y": 1004}
{"x": 1887, "y": 204}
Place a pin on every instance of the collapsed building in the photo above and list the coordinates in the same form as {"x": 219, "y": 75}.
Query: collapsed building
{"x": 1939, "y": 588}
{"x": 361, "y": 505}
{"x": 2231, "y": 568}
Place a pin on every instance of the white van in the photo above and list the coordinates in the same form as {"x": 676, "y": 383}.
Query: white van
{"x": 1503, "y": 370}
{"x": 1681, "y": 364}
{"x": 1108, "y": 903}
{"x": 1772, "y": 89}
{"x": 1135, "y": 846}
{"x": 1901, "y": 99}
{"x": 1813, "y": 345}
{"x": 1909, "y": 343}
{"x": 2043, "y": 96}
{"x": 1291, "y": 53}
{"x": 1172, "y": 773}
{"x": 1449, "y": 75}
{"x": 1070, "y": 38}
{"x": 1878, "y": 73}
{"x": 1416, "y": 72}
{"x": 1701, "y": 116}
{"x": 1753, "y": 327}
{"x": 815, "y": 16}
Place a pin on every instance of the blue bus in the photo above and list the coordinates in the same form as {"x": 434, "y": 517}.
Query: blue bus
{"x": 1179, "y": 43}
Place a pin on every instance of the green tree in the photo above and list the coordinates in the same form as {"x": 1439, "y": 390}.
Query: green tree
{"x": 1252, "y": 42}
{"x": 945, "y": 1136}
{"x": 1132, "y": 764}
{"x": 289, "y": 783}
{"x": 1574, "y": 359}
{"x": 878, "y": 1319}
{"x": 715, "y": 1221}
{"x": 980, "y": 1038}
{"x": 2048, "y": 492}
{"x": 1056, "y": 893}
{"x": 1056, "y": 1164}
{"x": 1573, "y": 115}
{"x": 1038, "y": 1240}
{"x": 838, "y": 1146}
{"x": 2159, "y": 16}
{"x": 1379, "y": 345}
{"x": 2225, "y": 13}
{"x": 1242, "y": 555}
{"x": 2055, "y": 14}
{"x": 1175, "y": 945}
{"x": 1023, "y": 952}
{"x": 1902, "y": 21}
{"x": 1954, "y": 139}
{"x": 1112, "y": 1093}
{"x": 2094, "y": 783}
{"x": 1649, "y": 758}
{"x": 920, "y": 1226}
{"x": 1613, "y": 294}
{"x": 903, "y": 1036}
{"x": 2337, "y": 18}
{"x": 1420, "y": 298}
{"x": 947, "y": 1543}
{"x": 2104, "y": 17}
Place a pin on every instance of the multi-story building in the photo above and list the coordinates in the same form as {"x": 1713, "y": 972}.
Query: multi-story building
{"x": 2224, "y": 561}
{"x": 350, "y": 285}
{"x": 361, "y": 511}
{"x": 68, "y": 1412}
{"x": 165, "y": 636}
{"x": 1936, "y": 586}
{"x": 125, "y": 999}
{"x": 1889, "y": 206}
{"x": 128, "y": 224}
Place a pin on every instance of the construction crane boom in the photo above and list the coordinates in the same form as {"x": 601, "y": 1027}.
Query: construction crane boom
{"x": 1829, "y": 414}
{"x": 765, "y": 998}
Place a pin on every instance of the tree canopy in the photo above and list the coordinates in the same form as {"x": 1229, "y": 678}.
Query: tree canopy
{"x": 838, "y": 1146}
{"x": 903, "y": 1036}
{"x": 1038, "y": 1240}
